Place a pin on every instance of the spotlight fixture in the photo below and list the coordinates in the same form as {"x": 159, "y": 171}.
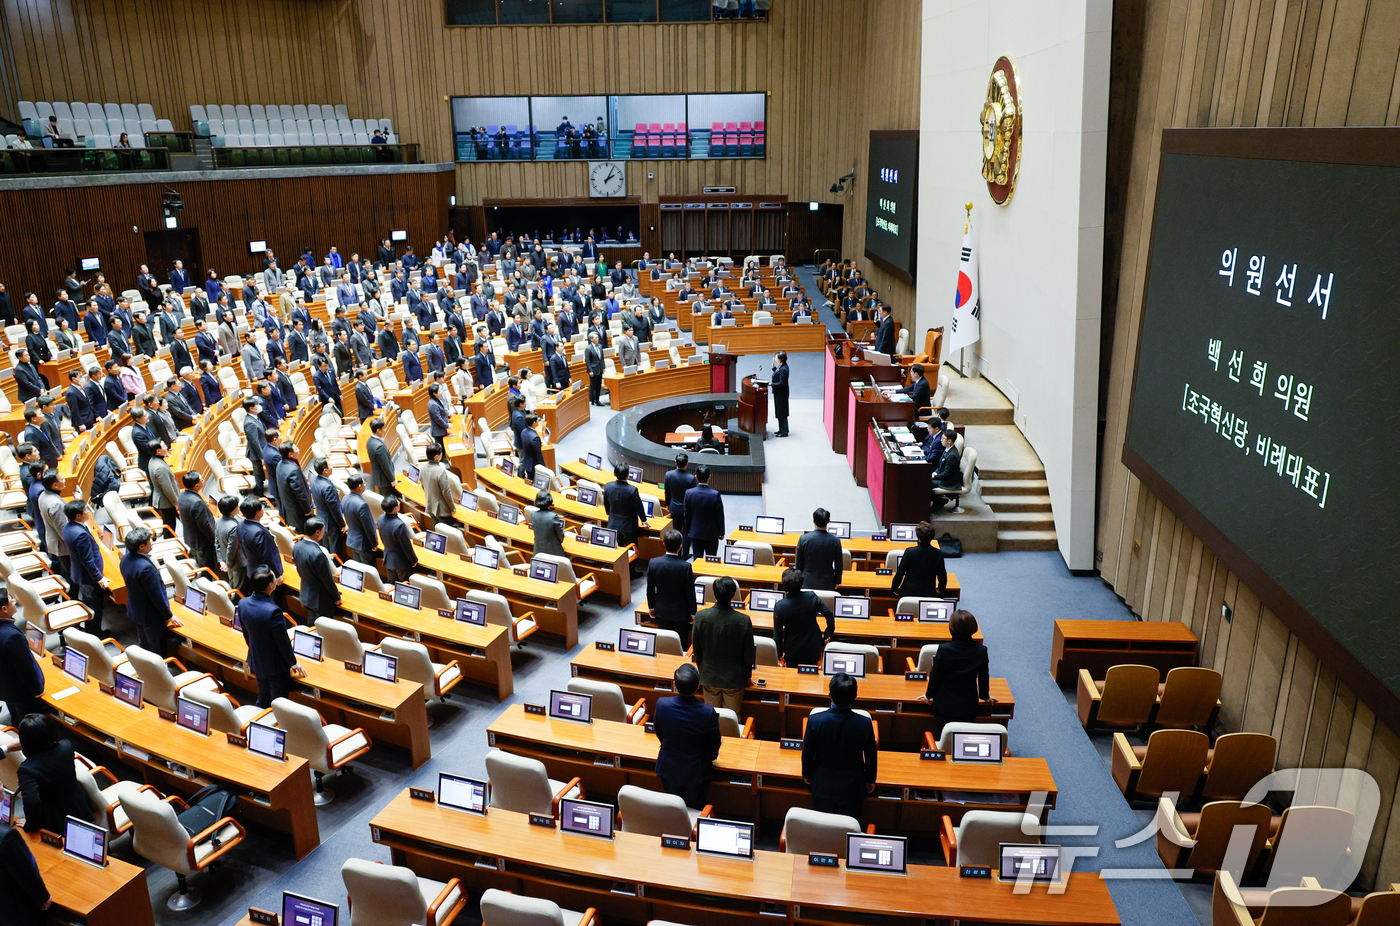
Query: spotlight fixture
{"x": 840, "y": 185}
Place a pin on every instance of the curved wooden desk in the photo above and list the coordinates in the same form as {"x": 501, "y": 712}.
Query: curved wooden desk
{"x": 111, "y": 896}
{"x": 624, "y": 391}
{"x": 767, "y": 339}
{"x": 555, "y": 603}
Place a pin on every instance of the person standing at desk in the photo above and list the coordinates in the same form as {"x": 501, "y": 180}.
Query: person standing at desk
{"x": 270, "y": 655}
{"x": 227, "y": 552}
{"x": 704, "y": 515}
{"x": 723, "y": 648}
{"x": 689, "y": 733}
{"x": 399, "y": 555}
{"x": 46, "y": 778}
{"x": 839, "y": 753}
{"x": 779, "y": 383}
{"x": 20, "y": 881}
{"x": 884, "y": 335}
{"x": 547, "y": 525}
{"x": 921, "y": 572}
{"x": 319, "y": 593}
{"x": 958, "y": 680}
{"x": 671, "y": 588}
{"x": 361, "y": 539}
{"x": 819, "y": 554}
{"x": 256, "y": 543}
{"x": 795, "y": 632}
{"x": 623, "y": 503}
{"x": 85, "y": 562}
{"x": 21, "y": 679}
{"x": 146, "y": 603}
{"x": 677, "y": 482}
{"x": 380, "y": 462}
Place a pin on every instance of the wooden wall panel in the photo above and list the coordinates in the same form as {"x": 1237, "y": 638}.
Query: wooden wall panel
{"x": 1235, "y": 63}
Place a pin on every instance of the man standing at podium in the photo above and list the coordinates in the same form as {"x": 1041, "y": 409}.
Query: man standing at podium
{"x": 779, "y": 384}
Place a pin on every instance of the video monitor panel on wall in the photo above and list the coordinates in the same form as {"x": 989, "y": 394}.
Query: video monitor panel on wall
{"x": 892, "y": 201}
{"x": 1267, "y": 391}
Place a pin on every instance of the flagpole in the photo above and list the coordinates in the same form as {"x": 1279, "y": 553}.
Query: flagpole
{"x": 967, "y": 224}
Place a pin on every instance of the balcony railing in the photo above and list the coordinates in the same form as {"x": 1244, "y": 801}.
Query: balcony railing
{"x": 295, "y": 155}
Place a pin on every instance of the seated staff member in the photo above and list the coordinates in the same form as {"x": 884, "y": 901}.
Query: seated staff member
{"x": 819, "y": 555}
{"x": 689, "y": 733}
{"x": 671, "y": 588}
{"x": 270, "y": 656}
{"x": 147, "y": 605}
{"x": 795, "y": 630}
{"x": 46, "y": 779}
{"x": 21, "y": 679}
{"x": 949, "y": 472}
{"x": 921, "y": 572}
{"x": 722, "y": 646}
{"x": 839, "y": 755}
{"x": 958, "y": 679}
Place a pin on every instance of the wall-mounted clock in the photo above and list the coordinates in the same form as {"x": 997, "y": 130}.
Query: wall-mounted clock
{"x": 607, "y": 178}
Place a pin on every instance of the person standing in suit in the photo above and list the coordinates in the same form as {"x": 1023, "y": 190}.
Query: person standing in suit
{"x": 440, "y": 495}
{"x": 918, "y": 388}
{"x": 531, "y": 449}
{"x": 884, "y": 335}
{"x": 50, "y": 504}
{"x": 397, "y": 537}
{"x": 380, "y": 462}
{"x": 79, "y": 409}
{"x": 671, "y": 589}
{"x": 255, "y": 433}
{"x": 328, "y": 508}
{"x": 723, "y": 648}
{"x": 688, "y": 729}
{"x": 165, "y": 494}
{"x": 795, "y": 631}
{"x": 547, "y": 525}
{"x": 21, "y": 882}
{"x": 29, "y": 382}
{"x": 921, "y": 572}
{"x": 47, "y": 780}
{"x": 197, "y": 519}
{"x": 147, "y": 605}
{"x": 36, "y": 434}
{"x": 294, "y": 499}
{"x": 623, "y": 503}
{"x": 593, "y": 363}
{"x": 21, "y": 679}
{"x": 819, "y": 555}
{"x": 364, "y": 397}
{"x": 85, "y": 562}
{"x": 320, "y": 594}
{"x": 327, "y": 389}
{"x": 256, "y": 543}
{"x": 958, "y": 680}
{"x": 949, "y": 472}
{"x": 227, "y": 552}
{"x": 676, "y": 483}
{"x": 840, "y": 761}
{"x": 704, "y": 515}
{"x": 439, "y": 414}
{"x": 779, "y": 383}
{"x": 362, "y": 539}
{"x": 270, "y": 655}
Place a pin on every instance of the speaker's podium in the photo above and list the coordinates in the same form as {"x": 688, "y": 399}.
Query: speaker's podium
{"x": 722, "y": 366}
{"x": 753, "y": 406}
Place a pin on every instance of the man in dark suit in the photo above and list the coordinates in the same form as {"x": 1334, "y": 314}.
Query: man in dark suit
{"x": 29, "y": 381}
{"x": 85, "y": 562}
{"x": 412, "y": 365}
{"x": 35, "y": 434}
{"x": 949, "y": 472}
{"x": 688, "y": 729}
{"x": 482, "y": 364}
{"x": 593, "y": 362}
{"x": 364, "y": 396}
{"x": 320, "y": 594}
{"x": 839, "y": 754}
{"x": 819, "y": 554}
{"x": 179, "y": 278}
{"x": 531, "y": 450}
{"x": 294, "y": 499}
{"x": 623, "y": 503}
{"x": 884, "y": 335}
{"x": 255, "y": 541}
{"x": 189, "y": 390}
{"x": 92, "y": 389}
{"x": 362, "y": 539}
{"x": 20, "y": 881}
{"x": 297, "y": 347}
{"x": 147, "y": 605}
{"x": 397, "y": 537}
{"x": 21, "y": 679}
{"x": 327, "y": 389}
{"x": 255, "y": 433}
{"x": 328, "y": 508}
{"x": 198, "y": 520}
{"x": 270, "y": 655}
{"x": 704, "y": 515}
{"x": 918, "y": 388}
{"x": 79, "y": 409}
{"x": 387, "y": 342}
{"x": 671, "y": 589}
{"x": 677, "y": 482}
{"x": 380, "y": 462}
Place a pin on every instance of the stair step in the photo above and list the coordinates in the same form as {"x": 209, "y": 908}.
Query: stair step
{"x": 981, "y": 415}
{"x": 984, "y": 473}
{"x": 988, "y": 486}
{"x": 1001, "y": 503}
{"x": 1024, "y": 520}
{"x": 1014, "y": 540}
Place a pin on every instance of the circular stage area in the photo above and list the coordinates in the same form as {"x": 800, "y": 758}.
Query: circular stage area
{"x": 637, "y": 437}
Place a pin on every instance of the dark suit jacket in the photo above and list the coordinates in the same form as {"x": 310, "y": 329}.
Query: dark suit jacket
{"x": 265, "y": 629}
{"x": 97, "y": 399}
{"x": 20, "y": 882}
{"x": 839, "y": 757}
{"x": 412, "y": 367}
{"x": 671, "y": 590}
{"x": 918, "y": 393}
{"x": 327, "y": 499}
{"x": 704, "y": 513}
{"x": 30, "y": 382}
{"x": 884, "y": 338}
{"x": 146, "y": 604}
{"x": 364, "y": 402}
{"x": 921, "y": 573}
{"x": 79, "y": 409}
{"x": 327, "y": 390}
{"x": 795, "y": 630}
{"x": 21, "y": 679}
{"x": 957, "y": 680}
{"x": 820, "y": 559}
{"x": 381, "y": 465}
{"x": 623, "y": 503}
{"x": 359, "y": 523}
{"x": 51, "y": 790}
{"x": 199, "y": 526}
{"x": 532, "y": 455}
{"x": 293, "y": 495}
{"x": 677, "y": 483}
{"x": 688, "y": 729}
{"x": 318, "y": 586}
{"x": 398, "y": 543}
{"x": 259, "y": 547}
{"x": 439, "y": 418}
{"x": 949, "y": 472}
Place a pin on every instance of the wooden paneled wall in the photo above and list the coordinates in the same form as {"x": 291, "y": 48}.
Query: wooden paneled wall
{"x": 51, "y": 228}
{"x": 814, "y": 58}
{"x": 1235, "y": 63}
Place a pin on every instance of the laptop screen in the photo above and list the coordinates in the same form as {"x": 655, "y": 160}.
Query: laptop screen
{"x": 85, "y": 841}
{"x": 382, "y": 666}
{"x": 875, "y": 853}
{"x": 469, "y": 501}
{"x": 471, "y": 612}
{"x": 699, "y": 593}
{"x": 595, "y": 461}
{"x": 603, "y": 537}
{"x": 509, "y": 514}
{"x": 267, "y": 740}
{"x": 935, "y": 611}
{"x": 1029, "y": 861}
{"x": 545, "y": 572}
{"x": 410, "y": 596}
{"x": 724, "y": 837}
{"x": 766, "y": 525}
{"x": 566, "y": 705}
{"x": 506, "y": 466}
{"x": 486, "y": 557}
{"x": 903, "y": 533}
{"x": 194, "y": 600}
{"x": 835, "y": 662}
{"x": 586, "y": 818}
{"x": 126, "y": 689}
{"x": 840, "y": 529}
{"x": 587, "y": 496}
{"x": 192, "y": 716}
{"x": 858, "y": 608}
{"x": 435, "y": 542}
{"x": 638, "y": 642}
{"x": 306, "y": 644}
{"x": 977, "y": 747}
{"x": 462, "y": 793}
{"x": 764, "y": 599}
{"x": 305, "y": 911}
{"x": 738, "y": 556}
{"x": 75, "y": 664}
{"x": 352, "y": 578}
{"x": 634, "y": 473}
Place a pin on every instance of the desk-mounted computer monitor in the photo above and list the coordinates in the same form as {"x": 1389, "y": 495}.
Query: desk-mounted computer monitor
{"x": 541, "y": 481}
{"x": 854, "y": 608}
{"x": 459, "y": 793}
{"x": 75, "y": 664}
{"x": 604, "y": 537}
{"x": 595, "y": 461}
{"x": 764, "y": 600}
{"x": 876, "y": 853}
{"x": 307, "y": 644}
{"x": 485, "y": 557}
{"x": 435, "y": 542}
{"x": 194, "y": 599}
{"x": 508, "y": 513}
{"x": 936, "y": 612}
{"x": 506, "y": 466}
{"x": 636, "y": 642}
{"x": 738, "y": 556}
{"x": 834, "y": 662}
{"x": 587, "y": 496}
{"x": 192, "y": 716}
{"x": 352, "y": 578}
{"x": 767, "y": 525}
{"x": 839, "y": 529}
{"x": 381, "y": 666}
{"x": 82, "y": 840}
{"x": 408, "y": 596}
{"x": 699, "y": 593}
{"x": 724, "y": 837}
{"x": 586, "y": 818}
{"x": 903, "y": 533}
{"x": 1028, "y": 861}
{"x": 126, "y": 689}
{"x": 307, "y": 911}
{"x": 634, "y": 474}
{"x": 978, "y": 747}
{"x": 567, "y": 705}
{"x": 471, "y": 612}
{"x": 469, "y": 501}
{"x": 544, "y": 571}
{"x": 267, "y": 740}
{"x": 7, "y": 807}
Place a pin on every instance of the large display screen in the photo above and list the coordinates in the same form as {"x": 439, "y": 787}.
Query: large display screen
{"x": 1266, "y": 404}
{"x": 891, "y": 201}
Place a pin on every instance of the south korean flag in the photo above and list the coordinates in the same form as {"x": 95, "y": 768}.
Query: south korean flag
{"x": 967, "y": 301}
